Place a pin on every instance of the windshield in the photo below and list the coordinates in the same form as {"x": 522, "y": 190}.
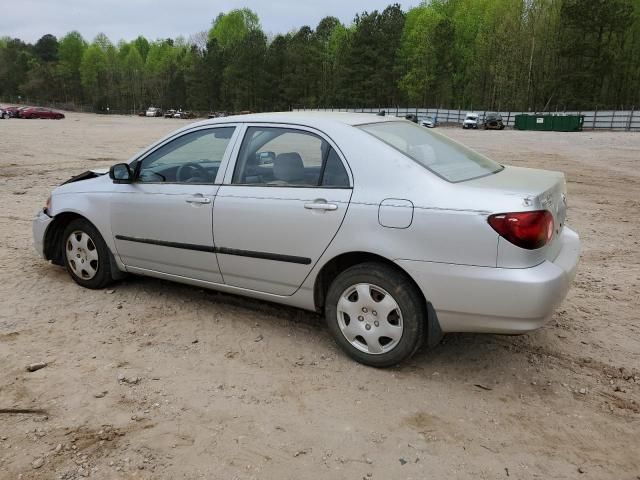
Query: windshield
{"x": 437, "y": 153}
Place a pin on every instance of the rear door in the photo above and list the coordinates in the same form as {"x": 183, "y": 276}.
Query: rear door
{"x": 279, "y": 207}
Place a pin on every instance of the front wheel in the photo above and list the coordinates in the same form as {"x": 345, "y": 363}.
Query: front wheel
{"x": 375, "y": 314}
{"x": 86, "y": 255}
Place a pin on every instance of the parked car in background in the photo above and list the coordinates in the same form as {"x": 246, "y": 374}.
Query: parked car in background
{"x": 217, "y": 115}
{"x": 428, "y": 122}
{"x": 493, "y": 121}
{"x": 184, "y": 114}
{"x": 471, "y": 120}
{"x": 394, "y": 231}
{"x": 411, "y": 117}
{"x": 40, "y": 112}
{"x": 169, "y": 113}
{"x": 153, "y": 112}
{"x": 20, "y": 110}
{"x": 14, "y": 111}
{"x": 11, "y": 111}
{"x": 3, "y": 113}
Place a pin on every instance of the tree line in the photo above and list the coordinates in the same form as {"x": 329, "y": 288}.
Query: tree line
{"x": 485, "y": 54}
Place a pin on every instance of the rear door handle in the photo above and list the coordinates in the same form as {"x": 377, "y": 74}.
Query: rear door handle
{"x": 321, "y": 206}
{"x": 198, "y": 199}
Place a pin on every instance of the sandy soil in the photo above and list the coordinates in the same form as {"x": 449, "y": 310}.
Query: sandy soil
{"x": 151, "y": 379}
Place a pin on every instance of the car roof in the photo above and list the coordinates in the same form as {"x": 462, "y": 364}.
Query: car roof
{"x": 310, "y": 118}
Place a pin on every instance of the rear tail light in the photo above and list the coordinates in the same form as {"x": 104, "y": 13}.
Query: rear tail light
{"x": 528, "y": 230}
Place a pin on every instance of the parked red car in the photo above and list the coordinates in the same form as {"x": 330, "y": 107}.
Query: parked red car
{"x": 14, "y": 111}
{"x": 40, "y": 112}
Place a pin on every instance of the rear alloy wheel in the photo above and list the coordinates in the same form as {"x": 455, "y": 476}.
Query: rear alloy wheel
{"x": 86, "y": 255}
{"x": 375, "y": 314}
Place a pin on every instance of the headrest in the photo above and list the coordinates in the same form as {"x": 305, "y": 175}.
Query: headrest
{"x": 288, "y": 167}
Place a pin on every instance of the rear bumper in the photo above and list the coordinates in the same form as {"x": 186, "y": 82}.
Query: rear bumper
{"x": 497, "y": 300}
{"x": 39, "y": 226}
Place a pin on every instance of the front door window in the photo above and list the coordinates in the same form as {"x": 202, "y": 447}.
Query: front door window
{"x": 192, "y": 158}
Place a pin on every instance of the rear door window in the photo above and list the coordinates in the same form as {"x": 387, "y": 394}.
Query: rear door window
{"x": 273, "y": 156}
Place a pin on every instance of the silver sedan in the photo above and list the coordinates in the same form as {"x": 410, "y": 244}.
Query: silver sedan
{"x": 397, "y": 233}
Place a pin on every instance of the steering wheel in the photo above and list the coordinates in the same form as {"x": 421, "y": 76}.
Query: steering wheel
{"x": 190, "y": 170}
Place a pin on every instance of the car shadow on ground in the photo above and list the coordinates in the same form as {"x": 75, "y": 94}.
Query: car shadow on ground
{"x": 465, "y": 352}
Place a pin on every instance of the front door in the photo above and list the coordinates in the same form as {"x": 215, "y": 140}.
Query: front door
{"x": 162, "y": 222}
{"x": 279, "y": 208}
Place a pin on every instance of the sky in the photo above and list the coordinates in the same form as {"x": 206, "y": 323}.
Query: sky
{"x": 126, "y": 19}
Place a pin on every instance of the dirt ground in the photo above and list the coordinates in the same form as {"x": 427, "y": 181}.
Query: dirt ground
{"x": 155, "y": 380}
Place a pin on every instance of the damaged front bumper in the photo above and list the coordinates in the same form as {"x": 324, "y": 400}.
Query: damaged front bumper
{"x": 39, "y": 225}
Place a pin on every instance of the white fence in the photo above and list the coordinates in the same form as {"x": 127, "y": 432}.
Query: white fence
{"x": 628, "y": 120}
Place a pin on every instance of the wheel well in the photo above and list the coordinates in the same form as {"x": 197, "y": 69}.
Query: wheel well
{"x": 53, "y": 237}
{"x": 340, "y": 263}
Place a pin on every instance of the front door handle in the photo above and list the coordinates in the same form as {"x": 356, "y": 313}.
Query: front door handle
{"x": 321, "y": 205}
{"x": 198, "y": 199}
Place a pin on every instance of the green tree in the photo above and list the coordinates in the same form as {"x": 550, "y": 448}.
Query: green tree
{"x": 243, "y": 78}
{"x": 368, "y": 65}
{"x": 133, "y": 77}
{"x": 592, "y": 36}
{"x": 93, "y": 75}
{"x": 70, "y": 51}
{"x": 303, "y": 70}
{"x": 229, "y": 29}
{"x": 15, "y": 62}
{"x": 277, "y": 74}
{"x": 46, "y": 48}
{"x": 142, "y": 45}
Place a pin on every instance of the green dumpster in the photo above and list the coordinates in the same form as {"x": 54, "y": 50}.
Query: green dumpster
{"x": 547, "y": 122}
{"x": 568, "y": 123}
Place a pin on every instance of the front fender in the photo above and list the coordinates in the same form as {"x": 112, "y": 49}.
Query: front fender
{"x": 94, "y": 206}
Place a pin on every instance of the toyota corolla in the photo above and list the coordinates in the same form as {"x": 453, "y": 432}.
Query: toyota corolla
{"x": 395, "y": 232}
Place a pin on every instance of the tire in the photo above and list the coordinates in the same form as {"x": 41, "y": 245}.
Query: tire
{"x": 87, "y": 259}
{"x": 388, "y": 289}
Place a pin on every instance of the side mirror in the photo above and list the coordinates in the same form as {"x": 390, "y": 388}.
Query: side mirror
{"x": 266, "y": 158}
{"x": 121, "y": 173}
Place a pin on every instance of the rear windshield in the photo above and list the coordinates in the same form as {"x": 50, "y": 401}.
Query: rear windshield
{"x": 434, "y": 151}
